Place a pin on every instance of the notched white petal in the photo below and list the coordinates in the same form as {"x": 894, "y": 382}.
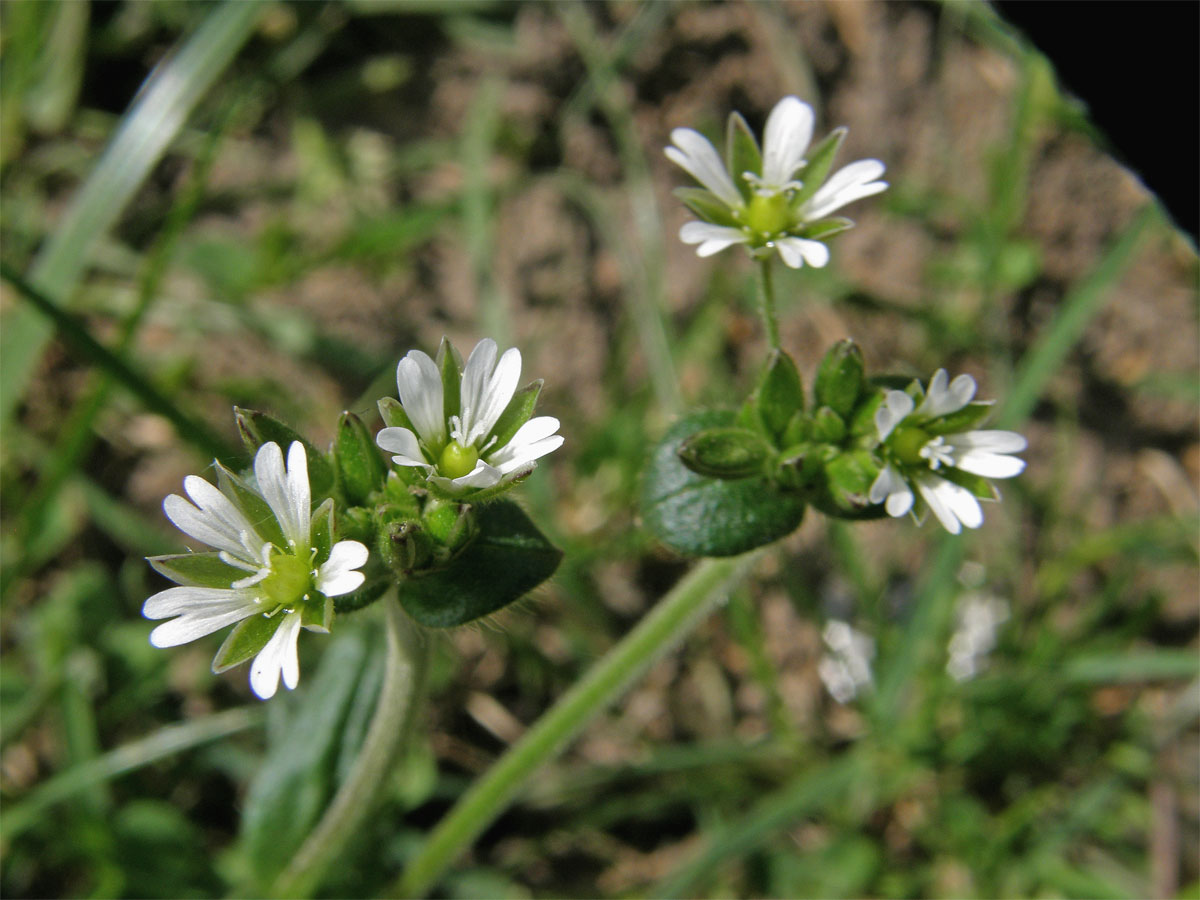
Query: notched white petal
{"x": 785, "y": 139}
{"x": 696, "y": 155}
{"x": 337, "y": 576}
{"x": 419, "y": 385}
{"x": 279, "y": 656}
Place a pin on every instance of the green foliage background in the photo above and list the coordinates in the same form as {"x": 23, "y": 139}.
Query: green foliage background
{"x": 304, "y": 192}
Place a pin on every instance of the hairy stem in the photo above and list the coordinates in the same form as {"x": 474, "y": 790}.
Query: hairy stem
{"x": 403, "y": 682}
{"x": 681, "y": 610}
{"x": 766, "y": 296}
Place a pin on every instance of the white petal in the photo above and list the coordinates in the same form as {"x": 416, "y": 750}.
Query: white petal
{"x": 403, "y": 443}
{"x": 699, "y": 158}
{"x": 942, "y": 398}
{"x": 278, "y": 656}
{"x": 200, "y": 611}
{"x": 482, "y": 476}
{"x": 891, "y": 486}
{"x": 795, "y": 252}
{"x": 485, "y": 393}
{"x": 951, "y": 503}
{"x": 420, "y": 387}
{"x": 711, "y": 238}
{"x": 214, "y": 519}
{"x": 785, "y": 140}
{"x": 896, "y": 405}
{"x": 989, "y": 465}
{"x": 273, "y": 485}
{"x": 529, "y": 453}
{"x": 990, "y": 440}
{"x": 853, "y": 182}
{"x": 337, "y": 575}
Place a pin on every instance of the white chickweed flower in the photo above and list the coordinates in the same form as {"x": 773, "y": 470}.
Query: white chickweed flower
{"x": 274, "y": 568}
{"x": 466, "y": 428}
{"x": 778, "y": 198}
{"x": 846, "y": 669}
{"x": 927, "y": 450}
{"x": 978, "y": 618}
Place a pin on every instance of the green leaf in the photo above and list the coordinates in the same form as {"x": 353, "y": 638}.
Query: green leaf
{"x": 393, "y": 414}
{"x": 297, "y": 779}
{"x": 247, "y": 638}
{"x": 258, "y": 428}
{"x": 199, "y": 569}
{"x": 707, "y": 205}
{"x": 517, "y": 413}
{"x": 741, "y": 153}
{"x": 962, "y": 420}
{"x": 360, "y": 468}
{"x": 706, "y": 517}
{"x": 840, "y": 378}
{"x": 725, "y": 452}
{"x": 509, "y": 558}
{"x": 447, "y": 363}
{"x": 820, "y": 161}
{"x": 779, "y": 394}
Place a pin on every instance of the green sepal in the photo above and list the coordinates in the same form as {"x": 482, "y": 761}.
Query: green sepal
{"x": 247, "y": 638}
{"x": 826, "y": 228}
{"x": 400, "y": 496}
{"x": 981, "y": 487}
{"x": 801, "y": 465}
{"x": 401, "y": 541}
{"x": 827, "y": 426}
{"x": 507, "y": 559}
{"x": 450, "y": 524}
{"x": 840, "y": 378}
{"x": 779, "y": 394}
{"x": 862, "y": 420}
{"x": 725, "y": 452}
{"x": 322, "y": 531}
{"x": 959, "y": 421}
{"x": 741, "y": 154}
{"x": 393, "y": 414}
{"x": 252, "y": 505}
{"x": 517, "y": 413}
{"x": 798, "y": 429}
{"x": 317, "y": 616}
{"x": 447, "y": 363}
{"x": 197, "y": 569}
{"x": 359, "y": 467}
{"x": 356, "y": 524}
{"x": 707, "y": 205}
{"x": 705, "y": 516}
{"x": 845, "y": 487}
{"x": 258, "y": 428}
{"x": 820, "y": 161}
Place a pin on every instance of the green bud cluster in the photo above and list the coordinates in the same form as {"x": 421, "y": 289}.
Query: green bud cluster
{"x": 820, "y": 450}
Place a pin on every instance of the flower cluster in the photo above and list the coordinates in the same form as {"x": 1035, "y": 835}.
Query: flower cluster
{"x": 466, "y": 428}
{"x": 274, "y": 569}
{"x": 779, "y": 198}
{"x": 928, "y": 450}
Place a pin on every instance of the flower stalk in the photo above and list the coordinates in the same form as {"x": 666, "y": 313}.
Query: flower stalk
{"x": 766, "y": 295}
{"x": 399, "y": 699}
{"x": 675, "y": 616}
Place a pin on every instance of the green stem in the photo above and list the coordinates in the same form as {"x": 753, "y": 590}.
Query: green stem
{"x": 766, "y": 296}
{"x": 403, "y": 682}
{"x": 675, "y": 616}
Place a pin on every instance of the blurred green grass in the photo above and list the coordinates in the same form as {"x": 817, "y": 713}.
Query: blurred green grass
{"x": 332, "y": 184}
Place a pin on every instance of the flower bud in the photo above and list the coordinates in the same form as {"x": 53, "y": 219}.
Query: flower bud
{"x": 725, "y": 453}
{"x": 840, "y": 378}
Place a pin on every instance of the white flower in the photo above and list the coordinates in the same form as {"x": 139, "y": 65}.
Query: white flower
{"x": 268, "y": 564}
{"x": 461, "y": 449}
{"x": 925, "y": 454}
{"x": 978, "y": 616}
{"x": 785, "y": 206}
{"x": 846, "y": 669}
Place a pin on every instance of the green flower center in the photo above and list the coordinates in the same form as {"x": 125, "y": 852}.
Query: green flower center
{"x": 290, "y": 580}
{"x": 906, "y": 443}
{"x": 768, "y": 215}
{"x": 457, "y": 460}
